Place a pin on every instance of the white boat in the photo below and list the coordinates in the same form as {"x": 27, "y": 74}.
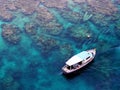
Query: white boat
{"x": 78, "y": 61}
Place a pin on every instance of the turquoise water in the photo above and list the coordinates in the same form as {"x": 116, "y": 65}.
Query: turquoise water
{"x": 34, "y": 62}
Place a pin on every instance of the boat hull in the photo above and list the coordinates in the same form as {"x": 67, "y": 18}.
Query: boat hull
{"x": 65, "y": 71}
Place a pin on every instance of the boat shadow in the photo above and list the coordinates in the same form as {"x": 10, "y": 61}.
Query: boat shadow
{"x": 78, "y": 72}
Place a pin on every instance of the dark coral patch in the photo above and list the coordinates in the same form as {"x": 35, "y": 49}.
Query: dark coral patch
{"x": 31, "y": 28}
{"x": 105, "y": 7}
{"x": 11, "y": 33}
{"x": 45, "y": 43}
{"x": 55, "y": 3}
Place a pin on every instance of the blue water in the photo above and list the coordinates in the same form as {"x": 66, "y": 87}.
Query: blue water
{"x": 35, "y": 61}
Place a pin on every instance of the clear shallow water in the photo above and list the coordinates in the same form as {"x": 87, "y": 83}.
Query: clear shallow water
{"x": 28, "y": 66}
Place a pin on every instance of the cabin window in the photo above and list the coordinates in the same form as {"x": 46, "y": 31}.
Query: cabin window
{"x": 72, "y": 67}
{"x": 75, "y": 66}
{"x": 80, "y": 63}
{"x": 87, "y": 57}
{"x": 68, "y": 67}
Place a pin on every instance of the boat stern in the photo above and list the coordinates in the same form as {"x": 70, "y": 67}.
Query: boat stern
{"x": 65, "y": 70}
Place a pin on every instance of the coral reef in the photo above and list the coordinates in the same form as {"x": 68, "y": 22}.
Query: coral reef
{"x": 66, "y": 50}
{"x": 79, "y": 33}
{"x": 79, "y": 1}
{"x": 27, "y": 6}
{"x": 5, "y": 15}
{"x": 45, "y": 43}
{"x": 47, "y": 22}
{"x": 118, "y": 24}
{"x": 31, "y": 28}
{"x": 10, "y": 5}
{"x": 100, "y": 19}
{"x": 35, "y": 63}
{"x": 55, "y": 3}
{"x": 71, "y": 16}
{"x": 117, "y": 29}
{"x": 43, "y": 15}
{"x": 42, "y": 34}
{"x": 53, "y": 28}
{"x": 105, "y": 7}
{"x": 8, "y": 83}
{"x": 117, "y": 1}
{"x": 11, "y": 33}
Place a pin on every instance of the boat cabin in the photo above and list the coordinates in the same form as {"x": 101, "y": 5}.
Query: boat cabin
{"x": 77, "y": 60}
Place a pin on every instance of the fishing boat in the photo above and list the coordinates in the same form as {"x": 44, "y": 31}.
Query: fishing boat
{"x": 78, "y": 61}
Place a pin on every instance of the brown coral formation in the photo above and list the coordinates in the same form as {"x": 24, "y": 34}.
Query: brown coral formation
{"x": 46, "y": 20}
{"x": 43, "y": 15}
{"x": 79, "y": 33}
{"x": 55, "y": 3}
{"x": 53, "y": 28}
{"x": 102, "y": 6}
{"x": 45, "y": 43}
{"x": 31, "y": 28}
{"x": 71, "y": 16}
{"x": 117, "y": 1}
{"x": 100, "y": 19}
{"x": 79, "y": 1}
{"x": 27, "y": 6}
{"x": 11, "y": 33}
{"x": 5, "y": 14}
{"x": 10, "y": 5}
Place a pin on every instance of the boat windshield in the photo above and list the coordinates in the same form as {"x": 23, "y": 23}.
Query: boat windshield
{"x": 80, "y": 63}
{"x": 72, "y": 67}
{"x": 68, "y": 67}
